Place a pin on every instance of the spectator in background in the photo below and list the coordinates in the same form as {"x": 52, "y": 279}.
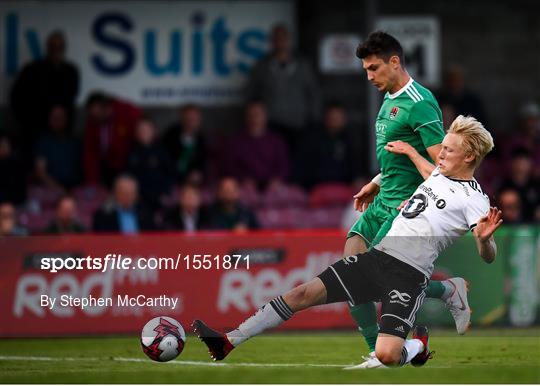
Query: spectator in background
{"x": 150, "y": 164}
{"x": 57, "y": 162}
{"x": 13, "y": 181}
{"x": 188, "y": 215}
{"x": 449, "y": 114}
{"x": 527, "y": 137}
{"x": 228, "y": 212}
{"x": 8, "y": 221}
{"x": 66, "y": 219}
{"x": 327, "y": 155}
{"x": 509, "y": 203}
{"x": 123, "y": 214}
{"x": 108, "y": 137}
{"x": 256, "y": 156}
{"x": 455, "y": 94}
{"x": 522, "y": 181}
{"x": 287, "y": 85}
{"x": 42, "y": 84}
{"x": 186, "y": 145}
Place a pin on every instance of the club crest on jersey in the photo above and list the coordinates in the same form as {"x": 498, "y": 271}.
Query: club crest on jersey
{"x": 394, "y": 112}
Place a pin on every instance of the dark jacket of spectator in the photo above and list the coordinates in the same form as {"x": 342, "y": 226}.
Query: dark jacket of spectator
{"x": 58, "y": 153}
{"x": 223, "y": 219}
{"x": 12, "y": 170}
{"x": 175, "y": 219}
{"x": 287, "y": 85}
{"x": 326, "y": 157}
{"x": 62, "y": 157}
{"x": 109, "y": 219}
{"x": 123, "y": 213}
{"x": 55, "y": 228}
{"x": 188, "y": 152}
{"x": 42, "y": 84}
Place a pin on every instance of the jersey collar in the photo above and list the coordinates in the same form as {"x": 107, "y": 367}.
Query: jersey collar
{"x": 398, "y": 92}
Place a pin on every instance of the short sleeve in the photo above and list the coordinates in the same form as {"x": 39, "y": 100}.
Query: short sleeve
{"x": 475, "y": 209}
{"x": 425, "y": 119}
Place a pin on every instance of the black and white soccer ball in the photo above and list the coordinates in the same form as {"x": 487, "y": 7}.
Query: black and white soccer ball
{"x": 163, "y": 339}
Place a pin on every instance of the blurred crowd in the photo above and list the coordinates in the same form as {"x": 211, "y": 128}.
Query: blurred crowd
{"x": 291, "y": 164}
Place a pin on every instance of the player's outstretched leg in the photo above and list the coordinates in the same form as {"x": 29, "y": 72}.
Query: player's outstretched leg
{"x": 454, "y": 293}
{"x": 271, "y": 315}
{"x": 218, "y": 344}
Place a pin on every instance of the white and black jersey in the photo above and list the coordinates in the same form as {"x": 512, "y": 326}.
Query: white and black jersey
{"x": 440, "y": 210}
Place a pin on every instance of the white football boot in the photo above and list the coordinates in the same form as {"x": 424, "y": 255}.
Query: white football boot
{"x": 458, "y": 304}
{"x": 370, "y": 362}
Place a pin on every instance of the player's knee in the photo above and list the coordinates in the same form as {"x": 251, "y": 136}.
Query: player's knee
{"x": 298, "y": 298}
{"x": 388, "y": 356}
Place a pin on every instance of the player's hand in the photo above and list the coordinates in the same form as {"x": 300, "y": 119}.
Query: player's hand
{"x": 403, "y": 203}
{"x": 365, "y": 196}
{"x": 399, "y": 147}
{"x": 487, "y": 225}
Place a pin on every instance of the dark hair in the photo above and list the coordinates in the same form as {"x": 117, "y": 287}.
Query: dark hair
{"x": 382, "y": 45}
{"x": 520, "y": 152}
{"x": 189, "y": 106}
{"x": 97, "y": 97}
{"x": 334, "y": 104}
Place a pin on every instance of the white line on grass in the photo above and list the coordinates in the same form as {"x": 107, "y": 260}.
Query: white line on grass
{"x": 184, "y": 363}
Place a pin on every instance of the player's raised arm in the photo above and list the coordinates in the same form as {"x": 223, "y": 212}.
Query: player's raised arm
{"x": 425, "y": 168}
{"x": 367, "y": 194}
{"x": 483, "y": 233}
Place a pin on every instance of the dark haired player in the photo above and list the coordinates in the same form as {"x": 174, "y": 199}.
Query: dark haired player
{"x": 409, "y": 113}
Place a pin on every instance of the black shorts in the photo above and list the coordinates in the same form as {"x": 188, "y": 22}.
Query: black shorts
{"x": 377, "y": 276}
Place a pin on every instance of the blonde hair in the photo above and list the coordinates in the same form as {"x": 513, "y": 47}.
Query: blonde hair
{"x": 476, "y": 140}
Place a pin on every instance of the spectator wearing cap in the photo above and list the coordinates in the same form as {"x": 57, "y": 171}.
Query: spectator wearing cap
{"x": 66, "y": 218}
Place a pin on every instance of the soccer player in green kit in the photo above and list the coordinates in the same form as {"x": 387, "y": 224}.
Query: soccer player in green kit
{"x": 409, "y": 113}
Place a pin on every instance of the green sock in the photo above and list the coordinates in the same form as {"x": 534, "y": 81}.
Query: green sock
{"x": 435, "y": 289}
{"x": 365, "y": 316}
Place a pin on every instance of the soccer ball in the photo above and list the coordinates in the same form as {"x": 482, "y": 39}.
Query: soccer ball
{"x": 163, "y": 339}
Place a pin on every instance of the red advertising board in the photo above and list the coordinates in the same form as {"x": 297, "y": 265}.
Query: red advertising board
{"x": 221, "y": 294}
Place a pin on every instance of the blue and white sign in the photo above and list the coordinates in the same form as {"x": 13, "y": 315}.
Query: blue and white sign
{"x": 152, "y": 53}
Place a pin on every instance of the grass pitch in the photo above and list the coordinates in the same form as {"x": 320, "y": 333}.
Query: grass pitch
{"x": 490, "y": 356}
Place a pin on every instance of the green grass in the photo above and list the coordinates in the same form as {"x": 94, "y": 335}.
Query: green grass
{"x": 490, "y": 356}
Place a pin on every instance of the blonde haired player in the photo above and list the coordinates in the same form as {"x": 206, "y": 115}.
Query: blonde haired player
{"x": 448, "y": 204}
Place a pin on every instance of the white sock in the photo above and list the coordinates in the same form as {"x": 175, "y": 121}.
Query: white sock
{"x": 449, "y": 289}
{"x": 411, "y": 348}
{"x": 270, "y": 315}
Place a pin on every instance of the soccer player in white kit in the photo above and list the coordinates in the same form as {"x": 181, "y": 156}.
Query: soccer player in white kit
{"x": 448, "y": 204}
